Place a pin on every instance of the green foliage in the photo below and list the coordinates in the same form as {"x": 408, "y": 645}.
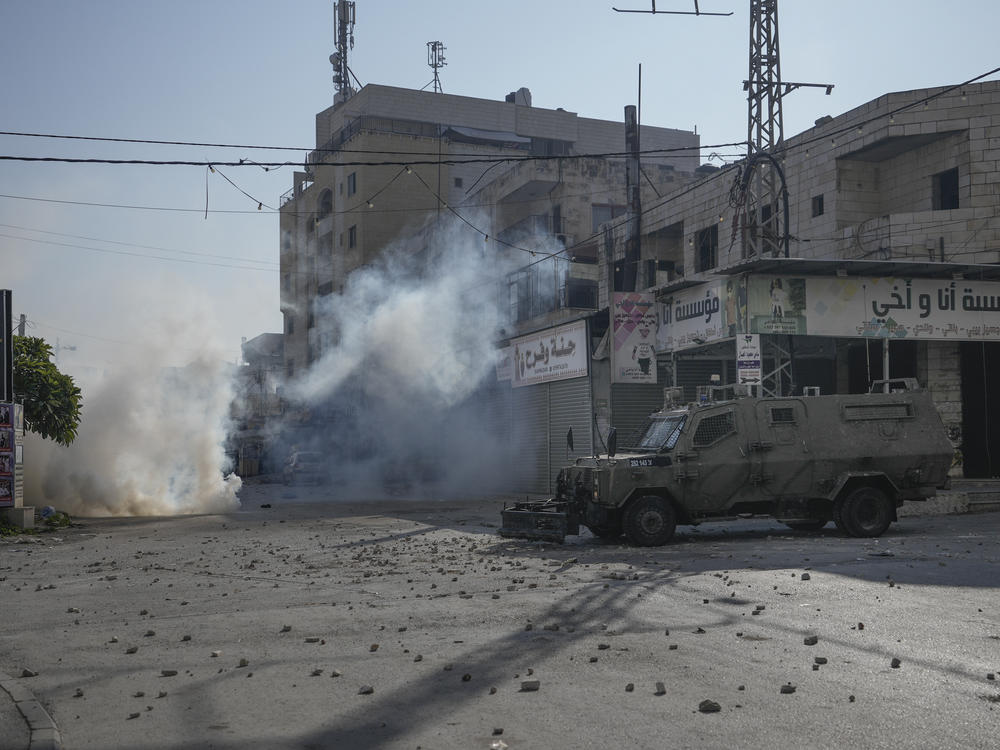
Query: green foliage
{"x": 58, "y": 520}
{"x": 51, "y": 399}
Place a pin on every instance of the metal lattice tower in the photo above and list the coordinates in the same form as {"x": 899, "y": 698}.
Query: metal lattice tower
{"x": 344, "y": 14}
{"x": 759, "y": 195}
{"x": 435, "y": 59}
{"x": 763, "y": 85}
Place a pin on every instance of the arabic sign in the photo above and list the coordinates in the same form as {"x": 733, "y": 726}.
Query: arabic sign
{"x": 556, "y": 354}
{"x": 633, "y": 357}
{"x": 929, "y": 309}
{"x": 695, "y": 316}
{"x": 748, "y": 358}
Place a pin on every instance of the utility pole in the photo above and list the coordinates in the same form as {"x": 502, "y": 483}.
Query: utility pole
{"x": 632, "y": 275}
{"x": 22, "y": 322}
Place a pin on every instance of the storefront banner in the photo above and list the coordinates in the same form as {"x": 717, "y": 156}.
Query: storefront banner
{"x": 634, "y": 328}
{"x": 555, "y": 354}
{"x": 929, "y": 309}
{"x": 695, "y": 316}
{"x": 505, "y": 363}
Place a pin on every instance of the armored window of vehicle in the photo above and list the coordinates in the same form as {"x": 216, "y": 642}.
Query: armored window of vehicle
{"x": 662, "y": 433}
{"x": 782, "y": 415}
{"x": 877, "y": 411}
{"x": 713, "y": 428}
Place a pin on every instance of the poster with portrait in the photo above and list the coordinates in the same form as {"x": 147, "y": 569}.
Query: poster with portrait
{"x": 6, "y": 414}
{"x": 634, "y": 320}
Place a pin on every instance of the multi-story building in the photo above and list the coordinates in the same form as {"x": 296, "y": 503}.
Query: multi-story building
{"x": 389, "y": 160}
{"x": 893, "y": 241}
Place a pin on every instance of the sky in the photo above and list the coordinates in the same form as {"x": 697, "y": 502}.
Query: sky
{"x": 116, "y": 260}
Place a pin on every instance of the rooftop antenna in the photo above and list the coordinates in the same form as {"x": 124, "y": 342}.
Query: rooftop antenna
{"x": 344, "y": 14}
{"x": 696, "y": 12}
{"x": 435, "y": 59}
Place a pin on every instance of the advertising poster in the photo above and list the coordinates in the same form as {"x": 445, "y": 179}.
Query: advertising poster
{"x": 555, "y": 354}
{"x": 777, "y": 305}
{"x": 695, "y": 316}
{"x": 634, "y": 322}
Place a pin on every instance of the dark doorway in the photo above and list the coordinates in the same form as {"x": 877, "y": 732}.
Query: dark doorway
{"x": 864, "y": 362}
{"x": 980, "y": 410}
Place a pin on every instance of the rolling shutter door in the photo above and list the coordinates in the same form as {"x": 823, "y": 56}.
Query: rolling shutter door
{"x": 569, "y": 406}
{"x": 632, "y": 403}
{"x": 530, "y": 438}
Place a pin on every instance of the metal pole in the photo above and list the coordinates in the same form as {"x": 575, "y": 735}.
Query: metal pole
{"x": 885, "y": 366}
{"x": 631, "y": 277}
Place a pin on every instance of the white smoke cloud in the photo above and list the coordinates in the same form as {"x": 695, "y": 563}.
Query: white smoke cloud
{"x": 151, "y": 434}
{"x": 415, "y": 338}
{"x": 426, "y": 332}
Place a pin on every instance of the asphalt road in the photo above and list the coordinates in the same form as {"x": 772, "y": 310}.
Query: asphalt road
{"x": 411, "y": 624}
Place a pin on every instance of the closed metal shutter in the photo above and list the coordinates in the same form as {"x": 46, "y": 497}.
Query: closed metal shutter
{"x": 692, "y": 372}
{"x": 569, "y": 407}
{"x": 530, "y": 438}
{"x": 632, "y": 403}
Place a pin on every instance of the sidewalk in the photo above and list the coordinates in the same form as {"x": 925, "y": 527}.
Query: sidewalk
{"x": 24, "y": 723}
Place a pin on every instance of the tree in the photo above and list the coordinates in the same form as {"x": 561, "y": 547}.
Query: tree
{"x": 51, "y": 399}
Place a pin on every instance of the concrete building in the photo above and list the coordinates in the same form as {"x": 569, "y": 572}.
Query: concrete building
{"x": 388, "y": 161}
{"x": 893, "y": 246}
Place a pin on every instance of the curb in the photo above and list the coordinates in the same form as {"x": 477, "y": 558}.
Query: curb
{"x": 44, "y": 732}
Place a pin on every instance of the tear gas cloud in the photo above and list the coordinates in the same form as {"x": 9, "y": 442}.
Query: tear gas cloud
{"x": 398, "y": 389}
{"x": 151, "y": 435}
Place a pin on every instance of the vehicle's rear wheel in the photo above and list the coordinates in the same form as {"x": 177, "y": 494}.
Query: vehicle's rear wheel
{"x": 838, "y": 517}
{"x": 806, "y": 524}
{"x": 649, "y": 521}
{"x": 866, "y": 512}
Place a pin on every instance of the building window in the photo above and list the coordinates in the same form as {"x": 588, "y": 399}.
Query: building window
{"x": 289, "y": 325}
{"x": 817, "y": 205}
{"x": 707, "y": 248}
{"x": 601, "y": 214}
{"x": 286, "y": 282}
{"x": 352, "y": 236}
{"x": 352, "y": 183}
{"x": 325, "y": 207}
{"x": 325, "y": 289}
{"x": 946, "y": 189}
{"x": 290, "y": 367}
{"x": 458, "y": 182}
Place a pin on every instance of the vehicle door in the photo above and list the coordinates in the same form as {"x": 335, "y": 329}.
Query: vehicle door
{"x": 715, "y": 465}
{"x": 781, "y": 461}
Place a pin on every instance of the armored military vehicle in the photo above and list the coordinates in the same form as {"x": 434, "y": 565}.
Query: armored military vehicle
{"x": 806, "y": 460}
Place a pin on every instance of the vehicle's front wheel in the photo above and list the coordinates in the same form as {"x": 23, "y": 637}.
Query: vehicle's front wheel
{"x": 866, "y": 512}
{"x": 649, "y": 521}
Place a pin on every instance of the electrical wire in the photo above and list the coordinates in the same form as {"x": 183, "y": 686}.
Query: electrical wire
{"x": 132, "y": 244}
{"x": 135, "y": 255}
